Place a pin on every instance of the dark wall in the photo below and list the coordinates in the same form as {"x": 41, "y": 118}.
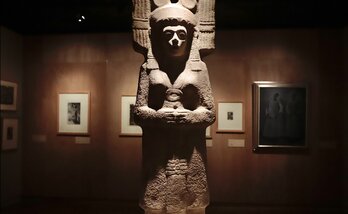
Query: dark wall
{"x": 110, "y": 166}
{"x": 344, "y": 122}
{"x": 11, "y": 160}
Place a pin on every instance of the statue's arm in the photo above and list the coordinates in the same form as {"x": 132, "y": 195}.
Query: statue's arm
{"x": 144, "y": 115}
{"x": 204, "y": 114}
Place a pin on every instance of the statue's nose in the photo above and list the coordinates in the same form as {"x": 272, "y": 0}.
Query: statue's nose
{"x": 175, "y": 41}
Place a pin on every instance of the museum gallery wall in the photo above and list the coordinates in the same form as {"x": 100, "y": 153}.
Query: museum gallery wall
{"x": 11, "y": 154}
{"x": 104, "y": 164}
{"x": 344, "y": 124}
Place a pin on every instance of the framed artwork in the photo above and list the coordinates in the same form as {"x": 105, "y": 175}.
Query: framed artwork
{"x": 8, "y": 96}
{"x": 9, "y": 134}
{"x": 279, "y": 115}
{"x": 73, "y": 113}
{"x": 208, "y": 132}
{"x": 128, "y": 126}
{"x": 230, "y": 117}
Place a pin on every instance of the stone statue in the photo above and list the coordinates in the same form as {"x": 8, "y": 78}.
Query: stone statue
{"x": 174, "y": 102}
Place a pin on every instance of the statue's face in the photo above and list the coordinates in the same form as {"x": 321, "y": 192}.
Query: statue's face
{"x": 174, "y": 40}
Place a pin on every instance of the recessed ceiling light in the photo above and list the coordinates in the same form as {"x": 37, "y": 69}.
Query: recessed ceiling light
{"x": 80, "y": 18}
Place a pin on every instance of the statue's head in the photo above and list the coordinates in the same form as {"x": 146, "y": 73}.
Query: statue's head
{"x": 172, "y": 26}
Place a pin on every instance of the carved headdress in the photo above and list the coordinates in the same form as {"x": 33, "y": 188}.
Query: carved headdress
{"x": 182, "y": 10}
{"x": 199, "y": 13}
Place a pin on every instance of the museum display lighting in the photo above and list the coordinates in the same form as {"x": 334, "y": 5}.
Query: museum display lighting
{"x": 81, "y": 18}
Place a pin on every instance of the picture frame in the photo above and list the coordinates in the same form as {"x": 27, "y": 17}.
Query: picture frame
{"x": 128, "y": 126}
{"x": 279, "y": 116}
{"x": 208, "y": 133}
{"x": 9, "y": 136}
{"x": 8, "y": 93}
{"x": 73, "y": 113}
{"x": 230, "y": 117}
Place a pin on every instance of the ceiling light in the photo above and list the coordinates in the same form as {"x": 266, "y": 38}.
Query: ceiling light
{"x": 80, "y": 18}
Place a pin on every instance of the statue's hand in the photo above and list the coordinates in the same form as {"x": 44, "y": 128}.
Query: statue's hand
{"x": 183, "y": 116}
{"x": 172, "y": 116}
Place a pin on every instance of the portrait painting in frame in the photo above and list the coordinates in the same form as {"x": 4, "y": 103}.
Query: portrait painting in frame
{"x": 279, "y": 115}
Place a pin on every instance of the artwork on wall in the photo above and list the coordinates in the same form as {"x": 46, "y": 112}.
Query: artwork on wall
{"x": 128, "y": 126}
{"x": 73, "y": 113}
{"x": 9, "y": 134}
{"x": 208, "y": 132}
{"x": 280, "y": 115}
{"x": 230, "y": 117}
{"x": 8, "y": 96}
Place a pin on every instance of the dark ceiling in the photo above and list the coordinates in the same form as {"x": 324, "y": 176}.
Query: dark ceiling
{"x": 61, "y": 16}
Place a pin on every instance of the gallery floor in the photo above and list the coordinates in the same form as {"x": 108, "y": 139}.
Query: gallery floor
{"x": 73, "y": 206}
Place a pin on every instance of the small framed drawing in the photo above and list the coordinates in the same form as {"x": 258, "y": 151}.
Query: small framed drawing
{"x": 128, "y": 126}
{"x": 8, "y": 96}
{"x": 74, "y": 113}
{"x": 9, "y": 134}
{"x": 279, "y": 115}
{"x": 230, "y": 117}
{"x": 208, "y": 132}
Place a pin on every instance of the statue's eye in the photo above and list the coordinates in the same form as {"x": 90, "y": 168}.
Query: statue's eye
{"x": 168, "y": 34}
{"x": 181, "y": 34}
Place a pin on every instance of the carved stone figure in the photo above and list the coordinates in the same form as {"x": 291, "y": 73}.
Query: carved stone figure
{"x": 174, "y": 102}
